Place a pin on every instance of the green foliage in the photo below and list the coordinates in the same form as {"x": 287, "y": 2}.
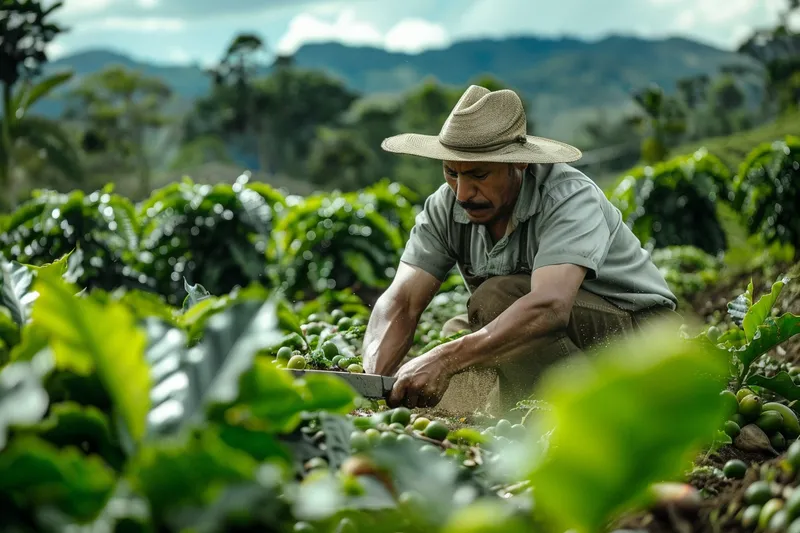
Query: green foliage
{"x": 767, "y": 191}
{"x": 674, "y": 203}
{"x": 335, "y": 241}
{"x": 25, "y": 137}
{"x": 686, "y": 269}
{"x": 102, "y": 226}
{"x": 26, "y": 28}
{"x": 213, "y": 235}
{"x": 649, "y": 411}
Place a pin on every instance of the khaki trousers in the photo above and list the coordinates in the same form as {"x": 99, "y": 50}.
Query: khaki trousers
{"x": 593, "y": 321}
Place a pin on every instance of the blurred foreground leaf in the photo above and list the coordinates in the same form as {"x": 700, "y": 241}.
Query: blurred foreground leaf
{"x": 630, "y": 416}
{"x": 86, "y": 335}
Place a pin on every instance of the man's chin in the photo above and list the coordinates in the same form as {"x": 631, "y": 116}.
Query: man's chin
{"x": 479, "y": 215}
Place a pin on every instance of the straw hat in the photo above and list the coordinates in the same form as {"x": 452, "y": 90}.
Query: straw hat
{"x": 486, "y": 126}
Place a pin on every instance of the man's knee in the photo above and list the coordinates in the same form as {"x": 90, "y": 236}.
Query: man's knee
{"x": 494, "y": 296}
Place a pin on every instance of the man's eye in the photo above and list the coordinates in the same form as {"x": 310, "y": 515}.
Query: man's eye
{"x": 481, "y": 176}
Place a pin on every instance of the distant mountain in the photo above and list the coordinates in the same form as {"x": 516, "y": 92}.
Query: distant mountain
{"x": 565, "y": 81}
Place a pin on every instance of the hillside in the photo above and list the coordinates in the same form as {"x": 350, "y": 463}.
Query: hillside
{"x": 564, "y": 80}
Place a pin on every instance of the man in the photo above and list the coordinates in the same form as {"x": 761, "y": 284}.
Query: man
{"x": 551, "y": 268}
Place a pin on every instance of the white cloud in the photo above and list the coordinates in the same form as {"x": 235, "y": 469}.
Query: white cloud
{"x": 146, "y": 25}
{"x": 178, "y": 55}
{"x": 55, "y": 50}
{"x": 408, "y": 35}
{"x": 148, "y": 4}
{"x": 415, "y": 35}
{"x": 78, "y": 8}
{"x": 686, "y": 20}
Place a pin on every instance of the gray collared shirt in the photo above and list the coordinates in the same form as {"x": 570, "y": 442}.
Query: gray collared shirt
{"x": 561, "y": 216}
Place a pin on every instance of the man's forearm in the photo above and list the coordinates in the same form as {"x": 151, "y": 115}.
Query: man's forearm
{"x": 389, "y": 335}
{"x": 509, "y": 335}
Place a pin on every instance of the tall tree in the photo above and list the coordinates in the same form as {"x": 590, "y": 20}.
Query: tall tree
{"x": 119, "y": 109}
{"x": 662, "y": 120}
{"x": 778, "y": 50}
{"x": 25, "y": 31}
{"x": 232, "y": 108}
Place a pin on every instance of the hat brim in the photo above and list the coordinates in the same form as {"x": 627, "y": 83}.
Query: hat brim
{"x": 535, "y": 150}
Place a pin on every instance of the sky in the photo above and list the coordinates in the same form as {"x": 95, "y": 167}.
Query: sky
{"x": 197, "y": 31}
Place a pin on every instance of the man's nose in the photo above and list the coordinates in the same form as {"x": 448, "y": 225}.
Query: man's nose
{"x": 464, "y": 190}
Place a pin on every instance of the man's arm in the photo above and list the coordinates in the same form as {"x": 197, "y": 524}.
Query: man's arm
{"x": 423, "y": 381}
{"x": 394, "y": 319}
{"x": 544, "y": 310}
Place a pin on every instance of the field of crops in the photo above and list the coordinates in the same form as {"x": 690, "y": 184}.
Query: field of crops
{"x": 145, "y": 357}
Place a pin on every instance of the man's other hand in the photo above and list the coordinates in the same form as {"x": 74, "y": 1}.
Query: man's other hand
{"x": 422, "y": 381}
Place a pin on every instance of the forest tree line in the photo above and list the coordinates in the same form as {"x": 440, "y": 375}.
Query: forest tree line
{"x": 118, "y": 125}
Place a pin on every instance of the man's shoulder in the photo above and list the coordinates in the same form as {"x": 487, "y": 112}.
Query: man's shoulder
{"x": 564, "y": 181}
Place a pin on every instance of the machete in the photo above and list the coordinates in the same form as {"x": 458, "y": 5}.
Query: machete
{"x": 372, "y": 386}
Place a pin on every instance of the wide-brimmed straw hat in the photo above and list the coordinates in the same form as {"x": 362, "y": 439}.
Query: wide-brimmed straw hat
{"x": 486, "y": 126}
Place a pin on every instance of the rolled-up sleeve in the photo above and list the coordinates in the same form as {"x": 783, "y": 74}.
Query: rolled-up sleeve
{"x": 428, "y": 247}
{"x": 573, "y": 228}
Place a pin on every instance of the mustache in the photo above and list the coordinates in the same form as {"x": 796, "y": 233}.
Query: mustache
{"x": 473, "y": 205}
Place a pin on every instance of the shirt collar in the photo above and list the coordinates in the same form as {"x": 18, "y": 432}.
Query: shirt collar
{"x": 528, "y": 201}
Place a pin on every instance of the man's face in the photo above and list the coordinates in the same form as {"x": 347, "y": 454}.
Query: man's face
{"x": 486, "y": 191}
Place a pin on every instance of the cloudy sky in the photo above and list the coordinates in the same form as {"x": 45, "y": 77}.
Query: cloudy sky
{"x": 181, "y": 31}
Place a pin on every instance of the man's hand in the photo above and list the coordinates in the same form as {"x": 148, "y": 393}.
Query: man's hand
{"x": 422, "y": 381}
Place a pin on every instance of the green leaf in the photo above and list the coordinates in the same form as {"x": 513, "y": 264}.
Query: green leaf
{"x": 33, "y": 340}
{"x": 633, "y": 414}
{"x": 259, "y": 445}
{"x": 86, "y": 427}
{"x": 38, "y": 475}
{"x": 194, "y": 294}
{"x": 337, "y": 430}
{"x": 87, "y": 336}
{"x": 232, "y": 338}
{"x": 57, "y": 268}
{"x": 9, "y": 330}
{"x": 23, "y": 399}
{"x": 15, "y": 293}
{"x": 781, "y": 384}
{"x": 267, "y": 400}
{"x": 768, "y": 335}
{"x": 29, "y": 95}
{"x": 327, "y": 393}
{"x": 762, "y": 309}
{"x": 190, "y": 470}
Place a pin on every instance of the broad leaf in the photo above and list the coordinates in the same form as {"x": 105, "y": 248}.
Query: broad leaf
{"x": 781, "y": 384}
{"x": 83, "y": 427}
{"x": 185, "y": 382}
{"x": 760, "y": 310}
{"x": 231, "y": 340}
{"x": 160, "y": 470}
{"x": 57, "y": 268}
{"x": 273, "y": 400}
{"x": 27, "y": 96}
{"x": 768, "y": 335}
{"x": 166, "y": 355}
{"x": 194, "y": 294}
{"x": 15, "y": 290}
{"x": 87, "y": 336}
{"x": 645, "y": 406}
{"x": 337, "y": 438}
{"x": 37, "y": 475}
{"x": 23, "y": 399}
